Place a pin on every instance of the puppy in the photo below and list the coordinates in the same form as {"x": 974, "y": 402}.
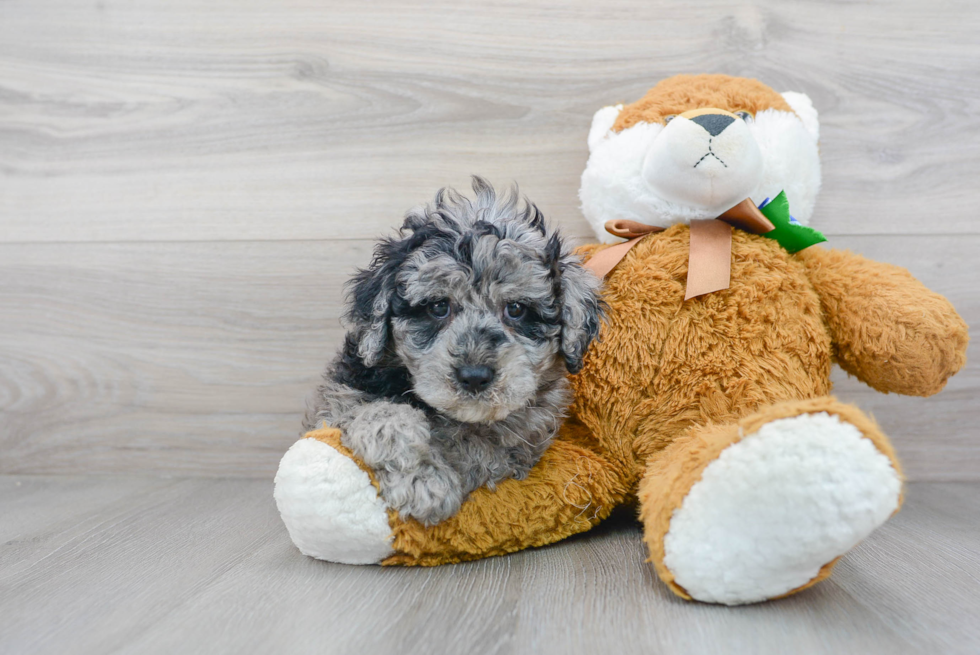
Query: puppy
{"x": 453, "y": 374}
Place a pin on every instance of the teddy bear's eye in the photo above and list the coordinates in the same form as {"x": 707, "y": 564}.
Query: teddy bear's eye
{"x": 745, "y": 116}
{"x": 669, "y": 118}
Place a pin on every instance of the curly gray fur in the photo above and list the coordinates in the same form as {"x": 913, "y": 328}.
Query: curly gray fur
{"x": 518, "y": 308}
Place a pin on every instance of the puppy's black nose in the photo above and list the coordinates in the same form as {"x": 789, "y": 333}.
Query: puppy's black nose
{"x": 474, "y": 378}
{"x": 715, "y": 124}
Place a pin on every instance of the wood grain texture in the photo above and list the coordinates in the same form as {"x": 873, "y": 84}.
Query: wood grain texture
{"x": 184, "y": 187}
{"x": 197, "y": 357}
{"x": 317, "y": 120}
{"x": 204, "y": 566}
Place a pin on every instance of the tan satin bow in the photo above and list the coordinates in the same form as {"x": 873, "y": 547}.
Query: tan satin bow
{"x": 709, "y": 264}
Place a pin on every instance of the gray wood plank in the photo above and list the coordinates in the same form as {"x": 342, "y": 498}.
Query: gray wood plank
{"x": 176, "y": 357}
{"x": 602, "y": 592}
{"x": 277, "y": 139}
{"x": 938, "y": 534}
{"x": 34, "y": 509}
{"x": 197, "y": 358}
{"x": 206, "y": 566}
{"x": 312, "y": 120}
{"x": 138, "y": 558}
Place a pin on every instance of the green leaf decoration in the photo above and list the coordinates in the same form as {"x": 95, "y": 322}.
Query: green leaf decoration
{"x": 791, "y": 236}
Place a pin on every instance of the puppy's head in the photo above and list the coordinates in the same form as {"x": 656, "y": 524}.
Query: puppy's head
{"x": 695, "y": 146}
{"x": 479, "y": 300}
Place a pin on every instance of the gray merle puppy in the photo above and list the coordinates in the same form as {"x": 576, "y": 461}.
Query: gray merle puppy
{"x": 453, "y": 374}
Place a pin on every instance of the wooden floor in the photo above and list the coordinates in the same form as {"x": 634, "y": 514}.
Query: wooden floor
{"x": 186, "y": 185}
{"x": 142, "y": 565}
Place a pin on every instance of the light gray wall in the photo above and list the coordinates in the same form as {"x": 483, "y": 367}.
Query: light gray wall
{"x": 185, "y": 186}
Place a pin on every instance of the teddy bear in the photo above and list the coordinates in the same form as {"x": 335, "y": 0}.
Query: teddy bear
{"x": 706, "y": 399}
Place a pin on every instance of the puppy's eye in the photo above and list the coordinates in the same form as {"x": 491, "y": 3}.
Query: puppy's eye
{"x": 438, "y": 309}
{"x": 669, "y": 118}
{"x": 515, "y": 311}
{"x": 745, "y": 116}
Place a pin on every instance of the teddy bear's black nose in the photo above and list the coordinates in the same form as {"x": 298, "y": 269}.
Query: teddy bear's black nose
{"x": 715, "y": 124}
{"x": 474, "y": 378}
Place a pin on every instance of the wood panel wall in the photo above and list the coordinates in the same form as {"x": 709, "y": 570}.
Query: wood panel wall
{"x": 185, "y": 186}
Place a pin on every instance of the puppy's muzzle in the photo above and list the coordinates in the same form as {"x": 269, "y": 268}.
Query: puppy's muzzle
{"x": 474, "y": 378}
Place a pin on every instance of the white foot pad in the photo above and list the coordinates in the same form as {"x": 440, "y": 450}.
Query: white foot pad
{"x": 775, "y": 507}
{"x": 329, "y": 506}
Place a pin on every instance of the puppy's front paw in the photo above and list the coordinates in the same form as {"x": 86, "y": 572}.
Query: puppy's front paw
{"x": 394, "y": 440}
{"x": 521, "y": 471}
{"x": 430, "y": 494}
{"x": 388, "y": 435}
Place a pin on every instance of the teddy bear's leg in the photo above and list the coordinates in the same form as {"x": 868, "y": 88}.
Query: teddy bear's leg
{"x": 332, "y": 508}
{"x": 744, "y": 512}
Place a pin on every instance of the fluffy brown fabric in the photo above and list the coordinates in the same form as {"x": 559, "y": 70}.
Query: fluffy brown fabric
{"x": 893, "y": 333}
{"x": 671, "y": 475}
{"x": 678, "y": 94}
{"x": 570, "y": 490}
{"x": 669, "y": 384}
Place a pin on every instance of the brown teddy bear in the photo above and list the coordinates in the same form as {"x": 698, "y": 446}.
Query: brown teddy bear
{"x": 705, "y": 398}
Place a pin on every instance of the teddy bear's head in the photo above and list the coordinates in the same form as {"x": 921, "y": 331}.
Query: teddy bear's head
{"x": 697, "y": 145}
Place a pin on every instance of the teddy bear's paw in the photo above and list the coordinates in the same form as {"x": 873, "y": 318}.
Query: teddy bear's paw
{"x": 330, "y": 507}
{"x": 774, "y": 511}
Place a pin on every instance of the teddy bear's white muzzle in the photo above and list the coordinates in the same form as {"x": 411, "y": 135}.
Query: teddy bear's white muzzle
{"x": 711, "y": 162}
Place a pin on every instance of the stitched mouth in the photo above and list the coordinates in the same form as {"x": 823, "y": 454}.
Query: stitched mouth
{"x": 710, "y": 153}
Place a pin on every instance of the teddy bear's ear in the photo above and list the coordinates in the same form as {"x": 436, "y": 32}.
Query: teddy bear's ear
{"x": 803, "y": 106}
{"x": 602, "y": 122}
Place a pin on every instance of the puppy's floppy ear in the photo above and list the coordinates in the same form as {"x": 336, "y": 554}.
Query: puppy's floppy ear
{"x": 370, "y": 294}
{"x": 581, "y": 306}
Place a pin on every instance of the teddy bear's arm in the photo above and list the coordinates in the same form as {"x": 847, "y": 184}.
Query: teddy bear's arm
{"x": 332, "y": 505}
{"x": 888, "y": 329}
{"x": 570, "y": 490}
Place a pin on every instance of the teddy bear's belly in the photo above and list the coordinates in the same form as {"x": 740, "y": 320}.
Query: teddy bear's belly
{"x": 663, "y": 364}
{"x": 755, "y": 347}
